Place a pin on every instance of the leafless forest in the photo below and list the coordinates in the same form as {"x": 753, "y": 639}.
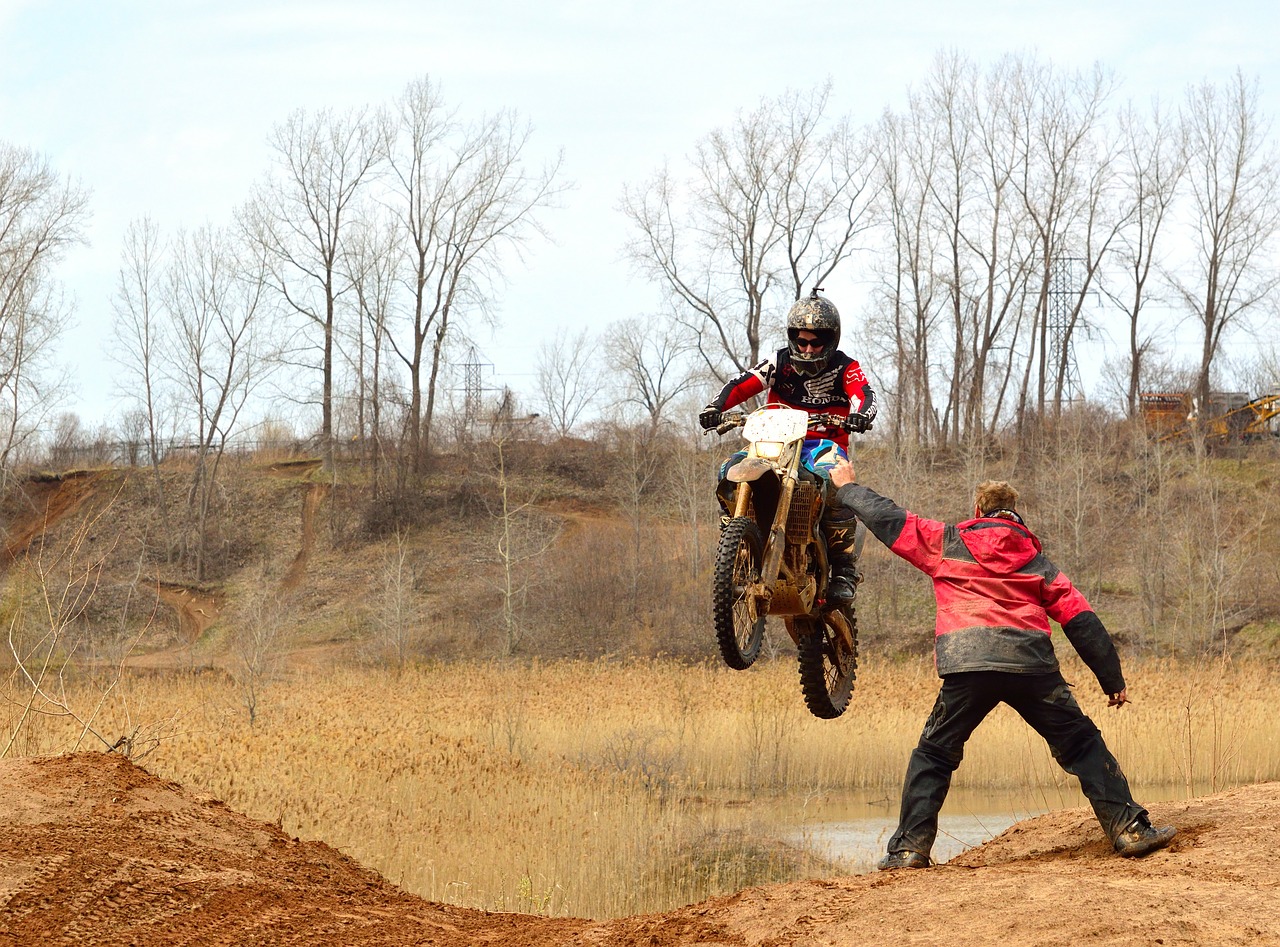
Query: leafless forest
{"x": 334, "y": 312}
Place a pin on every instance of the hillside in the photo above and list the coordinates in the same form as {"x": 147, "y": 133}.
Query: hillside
{"x": 326, "y": 557}
{"x": 96, "y": 851}
{"x": 1177, "y": 552}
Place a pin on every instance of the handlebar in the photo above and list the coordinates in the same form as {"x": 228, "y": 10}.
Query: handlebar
{"x": 731, "y": 419}
{"x": 728, "y": 421}
{"x": 825, "y": 420}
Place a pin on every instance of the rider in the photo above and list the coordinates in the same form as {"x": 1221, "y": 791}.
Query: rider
{"x": 813, "y": 375}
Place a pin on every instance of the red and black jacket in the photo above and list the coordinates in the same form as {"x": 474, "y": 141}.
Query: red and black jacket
{"x": 839, "y": 388}
{"x": 996, "y": 592}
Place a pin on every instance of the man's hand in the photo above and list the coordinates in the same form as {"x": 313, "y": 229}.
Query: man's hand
{"x": 1118, "y": 700}
{"x": 842, "y": 473}
{"x": 709, "y": 417}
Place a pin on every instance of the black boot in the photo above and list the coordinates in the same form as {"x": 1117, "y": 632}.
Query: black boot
{"x": 904, "y": 859}
{"x": 1142, "y": 838}
{"x": 844, "y": 580}
{"x": 840, "y": 529}
{"x": 844, "y": 563}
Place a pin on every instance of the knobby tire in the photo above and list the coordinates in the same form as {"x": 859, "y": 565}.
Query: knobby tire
{"x": 738, "y": 560}
{"x": 827, "y": 667}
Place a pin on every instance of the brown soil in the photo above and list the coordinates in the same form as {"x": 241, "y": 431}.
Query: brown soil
{"x": 311, "y": 500}
{"x": 49, "y": 499}
{"x": 196, "y": 609}
{"x": 94, "y": 850}
{"x": 293, "y": 467}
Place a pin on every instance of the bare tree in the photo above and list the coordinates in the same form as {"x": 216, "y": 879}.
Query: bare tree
{"x": 909, "y": 285}
{"x": 370, "y": 263}
{"x": 214, "y": 297}
{"x": 43, "y": 629}
{"x": 569, "y": 378}
{"x": 257, "y": 643}
{"x": 301, "y": 217}
{"x": 1066, "y": 184}
{"x": 41, "y": 215}
{"x": 651, "y": 355}
{"x": 463, "y": 197}
{"x": 1232, "y": 178}
{"x": 690, "y": 471}
{"x": 771, "y": 206}
{"x": 1259, "y": 368}
{"x": 643, "y": 458}
{"x": 982, "y": 231}
{"x": 68, "y": 441}
{"x": 955, "y": 285}
{"x": 138, "y": 330}
{"x": 397, "y": 614}
{"x": 523, "y": 536}
{"x": 1152, "y": 160}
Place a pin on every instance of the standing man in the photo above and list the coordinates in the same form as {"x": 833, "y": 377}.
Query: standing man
{"x": 996, "y": 592}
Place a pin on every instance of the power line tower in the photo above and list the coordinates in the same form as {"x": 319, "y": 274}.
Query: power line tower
{"x": 1063, "y": 290}
{"x": 472, "y": 389}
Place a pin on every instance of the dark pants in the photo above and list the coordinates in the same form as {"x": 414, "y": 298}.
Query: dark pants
{"x": 1042, "y": 700}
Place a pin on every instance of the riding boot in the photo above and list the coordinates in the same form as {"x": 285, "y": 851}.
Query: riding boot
{"x": 840, "y": 553}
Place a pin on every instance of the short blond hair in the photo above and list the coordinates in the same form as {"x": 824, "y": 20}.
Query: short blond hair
{"x": 994, "y": 495}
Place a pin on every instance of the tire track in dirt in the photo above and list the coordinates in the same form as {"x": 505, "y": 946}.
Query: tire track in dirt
{"x": 197, "y": 609}
{"x": 95, "y": 850}
{"x": 314, "y": 496}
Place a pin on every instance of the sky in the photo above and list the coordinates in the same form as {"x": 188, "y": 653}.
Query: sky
{"x": 164, "y": 109}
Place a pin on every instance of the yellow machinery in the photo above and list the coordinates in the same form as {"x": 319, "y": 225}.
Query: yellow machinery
{"x": 1254, "y": 419}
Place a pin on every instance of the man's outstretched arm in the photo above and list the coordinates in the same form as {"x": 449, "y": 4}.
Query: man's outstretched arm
{"x": 917, "y": 540}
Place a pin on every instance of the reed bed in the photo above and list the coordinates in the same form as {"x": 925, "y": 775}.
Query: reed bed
{"x": 601, "y": 789}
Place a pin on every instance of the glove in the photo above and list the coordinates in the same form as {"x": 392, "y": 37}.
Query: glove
{"x": 709, "y": 417}
{"x": 857, "y": 423}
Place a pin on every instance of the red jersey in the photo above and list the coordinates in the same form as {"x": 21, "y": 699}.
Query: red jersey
{"x": 838, "y": 389}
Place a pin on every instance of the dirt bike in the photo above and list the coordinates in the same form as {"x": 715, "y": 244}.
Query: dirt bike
{"x": 772, "y": 558}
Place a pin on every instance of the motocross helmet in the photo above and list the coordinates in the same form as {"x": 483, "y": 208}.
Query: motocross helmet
{"x": 819, "y": 316}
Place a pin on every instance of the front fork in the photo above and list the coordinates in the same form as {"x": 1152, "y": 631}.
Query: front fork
{"x": 776, "y": 543}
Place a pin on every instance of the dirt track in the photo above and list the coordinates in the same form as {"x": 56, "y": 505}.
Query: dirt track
{"x": 94, "y": 850}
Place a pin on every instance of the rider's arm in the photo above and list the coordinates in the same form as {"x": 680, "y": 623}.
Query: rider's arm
{"x": 862, "y": 398}
{"x": 917, "y": 540}
{"x": 743, "y": 386}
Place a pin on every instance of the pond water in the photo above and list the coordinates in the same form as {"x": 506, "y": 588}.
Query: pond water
{"x": 852, "y": 829}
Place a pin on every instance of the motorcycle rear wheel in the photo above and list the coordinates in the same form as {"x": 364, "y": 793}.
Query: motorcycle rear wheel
{"x": 738, "y": 559}
{"x": 828, "y": 665}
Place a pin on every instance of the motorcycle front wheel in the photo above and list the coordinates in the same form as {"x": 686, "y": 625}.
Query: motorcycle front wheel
{"x": 739, "y": 629}
{"x": 828, "y": 650}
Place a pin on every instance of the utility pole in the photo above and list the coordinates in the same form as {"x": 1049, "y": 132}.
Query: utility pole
{"x": 472, "y": 390}
{"x": 1063, "y": 291}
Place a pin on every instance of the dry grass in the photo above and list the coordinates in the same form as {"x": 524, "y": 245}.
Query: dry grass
{"x": 603, "y": 789}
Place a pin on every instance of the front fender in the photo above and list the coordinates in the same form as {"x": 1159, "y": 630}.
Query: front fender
{"x": 748, "y": 469}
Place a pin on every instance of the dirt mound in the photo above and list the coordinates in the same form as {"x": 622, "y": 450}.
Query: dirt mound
{"x": 94, "y": 850}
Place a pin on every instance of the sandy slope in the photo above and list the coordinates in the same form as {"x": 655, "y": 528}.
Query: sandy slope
{"x": 94, "y": 850}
